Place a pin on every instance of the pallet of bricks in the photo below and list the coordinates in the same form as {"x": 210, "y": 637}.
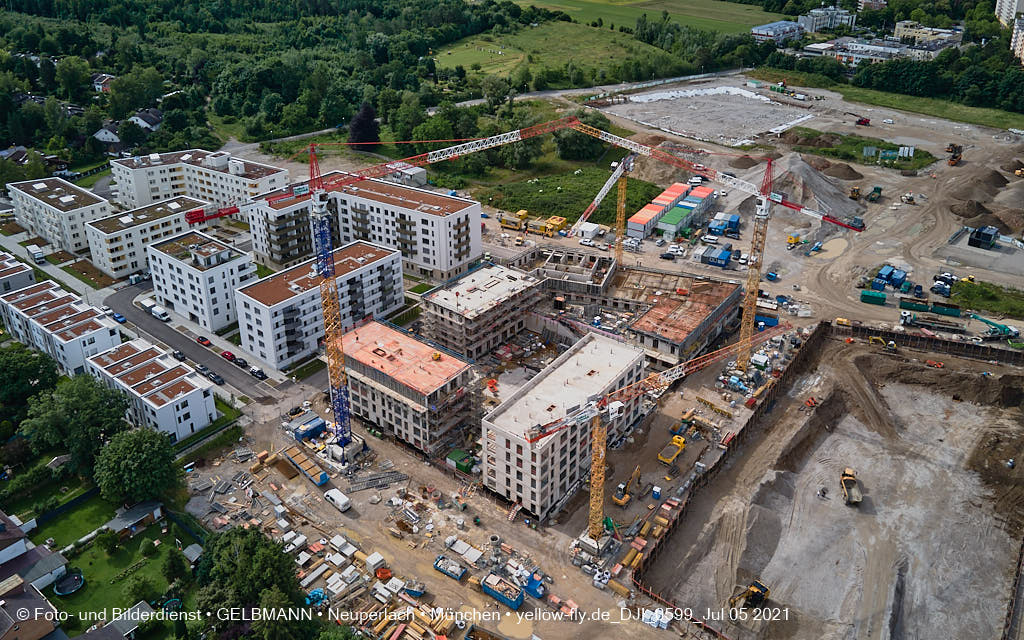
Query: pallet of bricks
{"x": 392, "y": 621}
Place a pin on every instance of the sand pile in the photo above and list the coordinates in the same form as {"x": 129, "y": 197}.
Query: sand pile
{"x": 1010, "y": 167}
{"x": 969, "y": 209}
{"x": 994, "y": 179}
{"x": 1012, "y": 218}
{"x": 817, "y": 162}
{"x": 744, "y": 162}
{"x": 842, "y": 171}
{"x": 975, "y": 190}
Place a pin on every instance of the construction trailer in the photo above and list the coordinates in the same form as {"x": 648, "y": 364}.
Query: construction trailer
{"x": 873, "y": 297}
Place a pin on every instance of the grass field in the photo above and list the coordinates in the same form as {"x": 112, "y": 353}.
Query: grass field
{"x": 85, "y": 518}
{"x": 422, "y": 287}
{"x": 795, "y": 78}
{"x": 551, "y": 45}
{"x": 706, "y": 14}
{"x": 850, "y": 149}
{"x": 993, "y": 298}
{"x": 996, "y": 118}
{"x": 89, "y": 181}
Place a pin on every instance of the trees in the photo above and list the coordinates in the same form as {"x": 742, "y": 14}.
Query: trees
{"x": 23, "y": 373}
{"x": 72, "y": 76}
{"x": 108, "y": 541}
{"x": 80, "y": 414}
{"x": 407, "y": 117}
{"x": 174, "y": 567}
{"x": 136, "y": 465}
{"x": 131, "y": 134}
{"x": 573, "y": 145}
{"x": 363, "y": 127}
{"x": 16, "y": 452}
{"x": 138, "y": 587}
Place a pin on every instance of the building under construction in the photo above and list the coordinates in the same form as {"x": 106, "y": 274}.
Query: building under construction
{"x": 542, "y": 475}
{"x": 480, "y": 311}
{"x": 415, "y": 391}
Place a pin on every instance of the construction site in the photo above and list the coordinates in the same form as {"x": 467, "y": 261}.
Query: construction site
{"x": 758, "y": 446}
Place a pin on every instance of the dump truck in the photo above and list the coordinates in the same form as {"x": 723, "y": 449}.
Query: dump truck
{"x": 753, "y": 596}
{"x": 875, "y": 194}
{"x": 851, "y": 489}
{"x": 672, "y": 450}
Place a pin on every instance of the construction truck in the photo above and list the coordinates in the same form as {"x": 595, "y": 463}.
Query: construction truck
{"x": 753, "y": 596}
{"x": 851, "y": 489}
{"x": 956, "y": 152}
{"x": 672, "y": 450}
{"x": 854, "y": 193}
{"x": 996, "y": 329}
{"x": 861, "y": 120}
{"x": 622, "y": 496}
{"x": 907, "y": 198}
{"x": 875, "y": 194}
{"x": 1019, "y": 173}
{"x": 888, "y": 346}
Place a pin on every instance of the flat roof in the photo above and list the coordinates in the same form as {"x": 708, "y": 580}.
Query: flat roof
{"x": 116, "y": 354}
{"x": 145, "y": 371}
{"x": 184, "y": 246}
{"x": 401, "y": 357}
{"x": 30, "y": 290}
{"x": 384, "y": 192}
{"x": 147, "y": 214}
{"x": 195, "y": 157}
{"x": 301, "y": 278}
{"x": 481, "y": 290}
{"x": 586, "y": 369}
{"x": 90, "y": 325}
{"x": 59, "y": 194}
{"x": 672, "y": 316}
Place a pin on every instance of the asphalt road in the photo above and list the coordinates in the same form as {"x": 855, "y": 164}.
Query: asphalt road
{"x": 239, "y": 379}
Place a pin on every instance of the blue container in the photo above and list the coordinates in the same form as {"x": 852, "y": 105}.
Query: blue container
{"x": 717, "y": 228}
{"x": 769, "y": 321}
{"x": 885, "y": 273}
{"x": 878, "y": 284}
{"x": 734, "y": 221}
{"x": 656, "y": 493}
{"x": 897, "y": 277}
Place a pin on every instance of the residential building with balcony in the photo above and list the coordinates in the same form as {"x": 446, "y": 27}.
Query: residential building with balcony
{"x": 58, "y": 323}
{"x": 1008, "y": 10}
{"x": 210, "y": 176}
{"x": 196, "y": 277}
{"x": 57, "y": 210}
{"x": 162, "y": 393}
{"x": 412, "y": 390}
{"x": 118, "y": 243}
{"x": 14, "y": 274}
{"x": 281, "y": 317}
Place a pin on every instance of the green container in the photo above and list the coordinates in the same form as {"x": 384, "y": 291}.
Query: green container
{"x": 946, "y": 310}
{"x": 914, "y": 305}
{"x": 872, "y": 297}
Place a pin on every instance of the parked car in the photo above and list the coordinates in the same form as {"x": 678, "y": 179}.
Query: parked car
{"x": 586, "y": 242}
{"x": 203, "y": 340}
{"x": 215, "y": 378}
{"x": 178, "y": 356}
{"x": 257, "y": 373}
{"x": 107, "y": 311}
{"x": 888, "y": 121}
{"x": 118, "y": 318}
{"x": 668, "y": 255}
{"x": 736, "y": 254}
{"x": 203, "y": 369}
{"x": 604, "y": 246}
{"x": 227, "y": 355}
{"x": 241, "y": 363}
{"x": 660, "y": 242}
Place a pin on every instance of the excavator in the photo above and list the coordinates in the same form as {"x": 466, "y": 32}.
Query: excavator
{"x": 622, "y": 496}
{"x": 888, "y": 346}
{"x": 996, "y": 329}
{"x": 854, "y": 193}
{"x": 753, "y": 596}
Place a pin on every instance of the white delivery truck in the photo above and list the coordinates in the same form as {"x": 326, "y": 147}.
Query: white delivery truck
{"x": 160, "y": 314}
{"x": 338, "y": 499}
{"x": 35, "y": 253}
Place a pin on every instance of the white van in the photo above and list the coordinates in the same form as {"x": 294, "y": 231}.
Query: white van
{"x": 338, "y": 499}
{"x": 695, "y": 181}
{"x": 709, "y": 239}
{"x": 160, "y": 314}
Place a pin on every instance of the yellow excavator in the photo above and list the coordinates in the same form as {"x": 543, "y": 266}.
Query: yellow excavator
{"x": 753, "y": 596}
{"x": 622, "y": 496}
{"x": 888, "y": 346}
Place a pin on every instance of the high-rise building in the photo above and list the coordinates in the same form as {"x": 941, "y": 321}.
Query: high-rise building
{"x": 1008, "y": 10}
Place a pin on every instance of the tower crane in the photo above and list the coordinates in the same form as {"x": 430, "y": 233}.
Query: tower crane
{"x": 626, "y": 164}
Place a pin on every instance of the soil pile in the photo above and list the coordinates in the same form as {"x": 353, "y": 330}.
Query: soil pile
{"x": 987, "y": 220}
{"x": 817, "y": 162}
{"x": 975, "y": 190}
{"x": 744, "y": 162}
{"x": 824, "y": 140}
{"x": 1012, "y": 218}
{"x": 1012, "y": 166}
{"x": 969, "y": 209}
{"x": 842, "y": 171}
{"x": 994, "y": 179}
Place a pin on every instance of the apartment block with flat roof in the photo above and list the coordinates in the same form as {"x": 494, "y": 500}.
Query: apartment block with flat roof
{"x": 58, "y": 323}
{"x": 542, "y": 475}
{"x": 281, "y": 317}
{"x": 118, "y": 242}
{"x": 162, "y": 393}
{"x": 481, "y": 310}
{"x": 211, "y": 176}
{"x": 408, "y": 388}
{"x": 14, "y": 274}
{"x": 57, "y": 210}
{"x": 196, "y": 277}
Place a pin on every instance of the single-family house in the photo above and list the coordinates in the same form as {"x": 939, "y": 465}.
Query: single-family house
{"x": 130, "y": 520}
{"x": 149, "y": 119}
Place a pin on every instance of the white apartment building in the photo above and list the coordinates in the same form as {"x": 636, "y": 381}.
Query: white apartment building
{"x": 408, "y": 388}
{"x": 14, "y": 274}
{"x": 58, "y": 323}
{"x": 56, "y": 210}
{"x": 1008, "y": 10}
{"x": 118, "y": 242}
{"x": 162, "y": 393}
{"x": 281, "y": 317}
{"x": 211, "y": 176}
{"x": 823, "y": 18}
{"x": 438, "y": 235}
{"x": 1017, "y": 39}
{"x": 196, "y": 277}
{"x": 542, "y": 475}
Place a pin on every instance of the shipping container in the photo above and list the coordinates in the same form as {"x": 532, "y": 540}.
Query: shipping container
{"x": 878, "y": 284}
{"x": 872, "y": 297}
{"x": 946, "y": 309}
{"x": 897, "y": 277}
{"x": 885, "y": 273}
{"x": 913, "y": 304}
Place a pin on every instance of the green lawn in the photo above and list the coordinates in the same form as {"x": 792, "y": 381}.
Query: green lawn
{"x": 551, "y": 45}
{"x": 99, "y": 570}
{"x": 262, "y": 271}
{"x": 235, "y": 339}
{"x": 88, "y": 516}
{"x": 851, "y": 148}
{"x": 309, "y": 368}
{"x": 423, "y": 287}
{"x": 81, "y": 276}
{"x": 226, "y": 130}
{"x": 22, "y": 506}
{"x": 88, "y": 166}
{"x": 996, "y": 118}
{"x": 989, "y": 297}
{"x": 706, "y": 14}
{"x": 238, "y": 224}
{"x": 88, "y": 181}
{"x": 225, "y": 438}
{"x": 567, "y": 194}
